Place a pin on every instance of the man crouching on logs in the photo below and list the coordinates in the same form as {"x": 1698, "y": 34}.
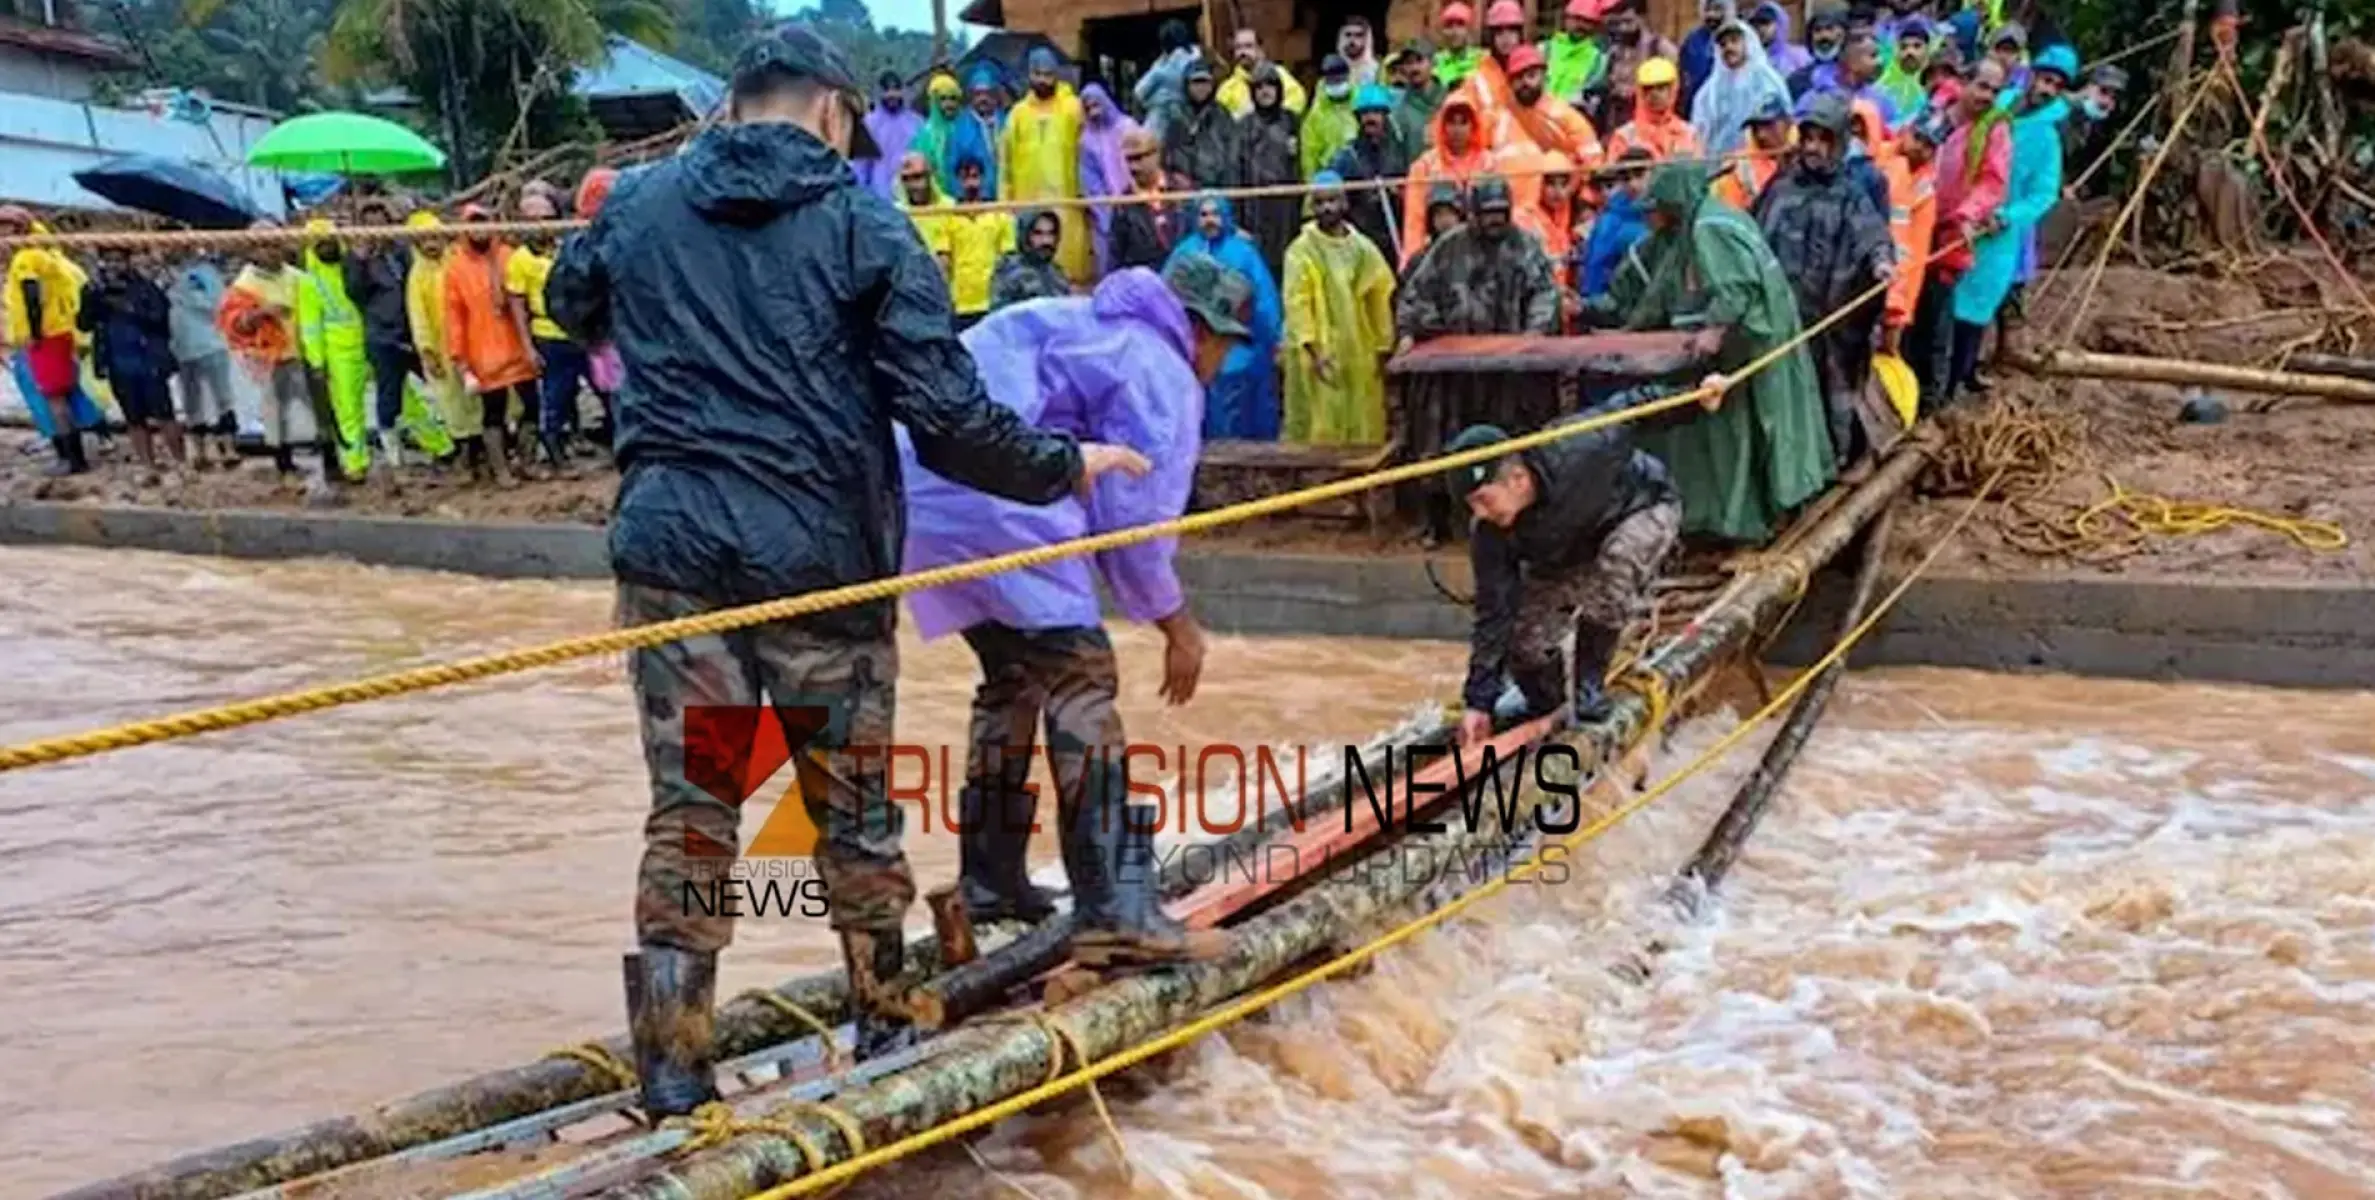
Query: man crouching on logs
{"x": 1567, "y": 536}
{"x": 1126, "y": 366}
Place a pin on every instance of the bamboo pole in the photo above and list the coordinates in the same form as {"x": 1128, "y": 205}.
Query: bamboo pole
{"x": 986, "y": 1063}
{"x": 2089, "y": 365}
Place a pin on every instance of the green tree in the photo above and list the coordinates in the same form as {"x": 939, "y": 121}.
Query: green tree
{"x": 873, "y": 51}
{"x": 494, "y": 74}
{"x": 260, "y": 52}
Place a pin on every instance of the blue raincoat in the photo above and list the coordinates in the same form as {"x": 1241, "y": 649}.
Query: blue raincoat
{"x": 1116, "y": 366}
{"x": 2035, "y": 187}
{"x": 975, "y": 135}
{"x": 1243, "y": 400}
{"x": 1620, "y": 225}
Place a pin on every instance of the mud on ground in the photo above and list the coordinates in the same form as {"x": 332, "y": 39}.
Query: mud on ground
{"x": 2294, "y": 458}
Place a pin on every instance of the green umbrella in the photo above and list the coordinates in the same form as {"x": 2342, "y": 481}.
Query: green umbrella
{"x": 345, "y": 143}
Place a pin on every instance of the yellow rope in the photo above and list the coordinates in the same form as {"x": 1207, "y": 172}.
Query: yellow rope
{"x": 1244, "y": 1007}
{"x": 824, "y": 1033}
{"x": 2150, "y": 514}
{"x": 716, "y": 1123}
{"x": 1063, "y": 1039}
{"x": 598, "y": 1058}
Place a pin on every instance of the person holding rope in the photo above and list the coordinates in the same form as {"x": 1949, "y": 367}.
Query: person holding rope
{"x": 776, "y": 319}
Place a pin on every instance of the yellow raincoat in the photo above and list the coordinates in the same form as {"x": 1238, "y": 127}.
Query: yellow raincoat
{"x": 424, "y": 304}
{"x": 970, "y": 245}
{"x": 1236, "y": 92}
{"x": 61, "y": 291}
{"x": 1039, "y": 159}
{"x": 1339, "y": 297}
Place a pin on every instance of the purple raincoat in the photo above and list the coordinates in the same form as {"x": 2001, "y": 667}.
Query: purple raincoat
{"x": 893, "y": 132}
{"x": 1104, "y": 170}
{"x": 1114, "y": 366}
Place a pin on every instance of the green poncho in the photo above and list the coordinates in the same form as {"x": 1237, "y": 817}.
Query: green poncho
{"x": 1744, "y": 468}
{"x": 1573, "y": 61}
{"x": 1328, "y": 126}
{"x": 1414, "y": 111}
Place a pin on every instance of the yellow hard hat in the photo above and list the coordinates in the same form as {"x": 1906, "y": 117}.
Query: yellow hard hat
{"x": 1896, "y": 378}
{"x": 1656, "y": 72}
{"x": 423, "y": 219}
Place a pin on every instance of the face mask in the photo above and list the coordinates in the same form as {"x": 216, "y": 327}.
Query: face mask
{"x": 1336, "y": 91}
{"x": 2095, "y": 108}
{"x": 1829, "y": 53}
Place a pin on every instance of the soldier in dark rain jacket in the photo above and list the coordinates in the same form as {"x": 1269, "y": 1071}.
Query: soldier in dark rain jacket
{"x": 775, "y": 319}
{"x": 1568, "y": 537}
{"x": 1834, "y": 246}
{"x": 1375, "y": 153}
{"x": 1201, "y": 141}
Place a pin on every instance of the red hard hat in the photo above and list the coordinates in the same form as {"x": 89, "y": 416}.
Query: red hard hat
{"x": 1589, "y": 10}
{"x": 1505, "y": 14}
{"x": 1523, "y": 59}
{"x": 1458, "y": 14}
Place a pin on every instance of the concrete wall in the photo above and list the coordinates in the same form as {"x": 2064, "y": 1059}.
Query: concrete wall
{"x": 2297, "y": 634}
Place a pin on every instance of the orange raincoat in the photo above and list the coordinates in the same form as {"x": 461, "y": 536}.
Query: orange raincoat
{"x": 480, "y": 335}
{"x": 1439, "y": 165}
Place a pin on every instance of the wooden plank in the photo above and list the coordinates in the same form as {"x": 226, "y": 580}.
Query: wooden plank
{"x": 1632, "y": 355}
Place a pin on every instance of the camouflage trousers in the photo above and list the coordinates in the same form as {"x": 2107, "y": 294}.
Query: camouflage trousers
{"x": 1067, "y": 681}
{"x": 700, "y": 701}
{"x": 1605, "y": 594}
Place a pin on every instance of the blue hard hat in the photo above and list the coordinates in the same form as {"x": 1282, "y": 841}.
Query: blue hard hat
{"x": 2059, "y": 59}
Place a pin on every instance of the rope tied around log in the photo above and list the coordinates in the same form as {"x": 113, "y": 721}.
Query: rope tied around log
{"x": 716, "y": 1123}
{"x": 781, "y": 1003}
{"x": 1062, "y": 1039}
{"x": 597, "y": 1058}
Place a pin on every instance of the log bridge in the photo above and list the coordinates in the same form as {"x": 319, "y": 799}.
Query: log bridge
{"x": 1313, "y": 902}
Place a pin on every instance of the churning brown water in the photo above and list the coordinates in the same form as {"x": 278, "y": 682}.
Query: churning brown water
{"x": 2002, "y": 936}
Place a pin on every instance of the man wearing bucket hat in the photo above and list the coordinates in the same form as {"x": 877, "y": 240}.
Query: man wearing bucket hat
{"x": 1127, "y": 363}
{"x": 1566, "y": 537}
{"x": 777, "y": 321}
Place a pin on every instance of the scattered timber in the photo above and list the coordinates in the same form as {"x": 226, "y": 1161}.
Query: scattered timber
{"x": 2136, "y": 368}
{"x": 992, "y": 1061}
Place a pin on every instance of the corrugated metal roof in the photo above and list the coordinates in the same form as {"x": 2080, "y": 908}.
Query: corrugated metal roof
{"x": 43, "y": 142}
{"x": 634, "y": 69}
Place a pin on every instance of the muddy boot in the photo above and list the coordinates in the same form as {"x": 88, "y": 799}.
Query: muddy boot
{"x": 498, "y": 455}
{"x": 1595, "y": 648}
{"x": 993, "y": 844}
{"x": 877, "y": 963}
{"x": 284, "y": 461}
{"x": 1117, "y": 906}
{"x": 670, "y": 993}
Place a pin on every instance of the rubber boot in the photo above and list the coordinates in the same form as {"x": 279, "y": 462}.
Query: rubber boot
{"x": 993, "y": 846}
{"x": 284, "y": 460}
{"x": 1117, "y": 905}
{"x": 1595, "y": 648}
{"x": 877, "y": 963}
{"x": 670, "y": 997}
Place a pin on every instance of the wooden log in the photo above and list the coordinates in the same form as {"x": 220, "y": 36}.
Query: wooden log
{"x": 2089, "y": 365}
{"x": 2332, "y": 364}
{"x": 987, "y": 1063}
{"x": 743, "y": 1026}
{"x": 1716, "y": 855}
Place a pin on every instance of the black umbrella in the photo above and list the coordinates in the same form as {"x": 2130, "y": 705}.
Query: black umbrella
{"x": 183, "y": 191}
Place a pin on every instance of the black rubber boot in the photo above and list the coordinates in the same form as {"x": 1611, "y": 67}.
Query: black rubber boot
{"x": 670, "y": 995}
{"x": 877, "y": 963}
{"x": 993, "y": 848}
{"x": 284, "y": 460}
{"x": 70, "y": 458}
{"x": 1117, "y": 905}
{"x": 1595, "y": 648}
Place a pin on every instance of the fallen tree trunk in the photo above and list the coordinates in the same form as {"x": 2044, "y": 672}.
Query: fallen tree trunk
{"x": 1716, "y": 855}
{"x": 744, "y": 1025}
{"x": 2331, "y": 364}
{"x": 988, "y": 1063}
{"x": 2089, "y": 365}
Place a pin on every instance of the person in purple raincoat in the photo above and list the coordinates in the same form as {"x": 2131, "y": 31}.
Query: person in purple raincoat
{"x": 894, "y": 125}
{"x": 1128, "y": 362}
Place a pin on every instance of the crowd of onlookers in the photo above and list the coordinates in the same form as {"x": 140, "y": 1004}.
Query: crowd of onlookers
{"x": 432, "y": 351}
{"x": 1900, "y": 158}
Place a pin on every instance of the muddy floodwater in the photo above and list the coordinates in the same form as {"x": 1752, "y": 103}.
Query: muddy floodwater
{"x": 2003, "y": 936}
